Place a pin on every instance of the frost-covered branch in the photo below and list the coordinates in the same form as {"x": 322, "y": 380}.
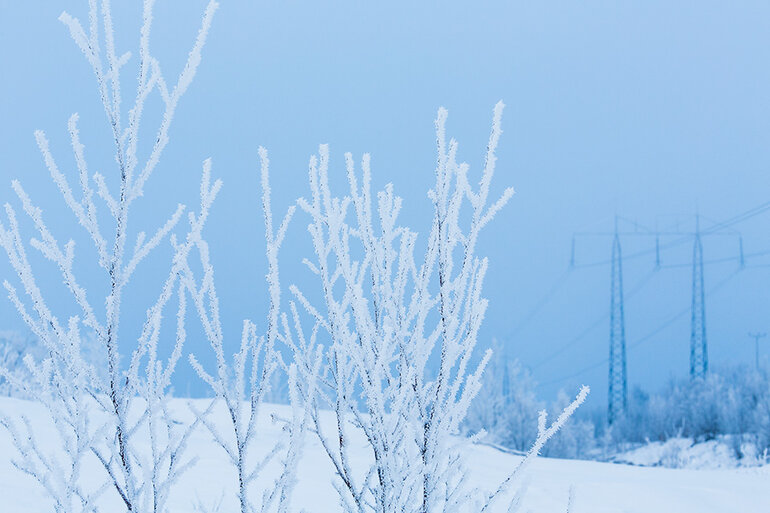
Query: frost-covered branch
{"x": 544, "y": 433}
{"x": 385, "y": 313}
{"x": 242, "y": 383}
{"x": 132, "y": 399}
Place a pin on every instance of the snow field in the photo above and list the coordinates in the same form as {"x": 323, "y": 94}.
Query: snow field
{"x": 599, "y": 487}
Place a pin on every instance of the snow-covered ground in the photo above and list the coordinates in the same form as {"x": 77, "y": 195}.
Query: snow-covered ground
{"x": 599, "y": 487}
{"x": 685, "y": 453}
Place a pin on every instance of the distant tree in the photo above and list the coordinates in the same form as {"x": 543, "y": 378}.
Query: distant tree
{"x": 760, "y": 420}
{"x": 506, "y": 409}
{"x": 506, "y": 406}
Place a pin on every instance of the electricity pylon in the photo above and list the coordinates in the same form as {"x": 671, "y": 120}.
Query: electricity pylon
{"x": 698, "y": 351}
{"x": 506, "y": 381}
{"x": 618, "y": 394}
{"x": 699, "y": 361}
{"x": 756, "y": 337}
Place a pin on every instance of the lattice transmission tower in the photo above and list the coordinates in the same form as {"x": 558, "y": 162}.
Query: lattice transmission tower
{"x": 699, "y": 361}
{"x": 663, "y": 240}
{"x": 618, "y": 391}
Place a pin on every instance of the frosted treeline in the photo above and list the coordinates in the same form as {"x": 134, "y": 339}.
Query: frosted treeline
{"x": 731, "y": 404}
{"x": 388, "y": 349}
{"x": 731, "y": 400}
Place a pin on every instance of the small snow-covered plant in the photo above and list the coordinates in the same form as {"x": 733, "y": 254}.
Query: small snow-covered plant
{"x": 59, "y": 381}
{"x": 108, "y": 412}
{"x": 243, "y": 384}
{"x": 13, "y": 348}
{"x": 392, "y": 318}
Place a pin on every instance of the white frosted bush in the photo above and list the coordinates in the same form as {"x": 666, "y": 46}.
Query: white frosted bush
{"x": 105, "y": 412}
{"x": 386, "y": 314}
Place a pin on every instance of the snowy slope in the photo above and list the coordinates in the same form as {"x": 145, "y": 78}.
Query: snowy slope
{"x": 599, "y": 487}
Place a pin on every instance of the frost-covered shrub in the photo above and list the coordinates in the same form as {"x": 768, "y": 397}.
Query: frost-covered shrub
{"x": 386, "y": 314}
{"x": 656, "y": 417}
{"x": 705, "y": 406}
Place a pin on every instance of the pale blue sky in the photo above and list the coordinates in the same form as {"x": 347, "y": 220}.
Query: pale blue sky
{"x": 645, "y": 109}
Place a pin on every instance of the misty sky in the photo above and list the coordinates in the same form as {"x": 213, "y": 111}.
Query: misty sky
{"x": 648, "y": 110}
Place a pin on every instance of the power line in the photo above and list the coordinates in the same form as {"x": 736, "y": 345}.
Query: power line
{"x": 756, "y": 337}
{"x": 711, "y": 230}
{"x": 759, "y": 209}
{"x": 599, "y": 320}
{"x": 555, "y": 287}
{"x": 671, "y": 320}
{"x": 717, "y": 228}
{"x": 722, "y": 260}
